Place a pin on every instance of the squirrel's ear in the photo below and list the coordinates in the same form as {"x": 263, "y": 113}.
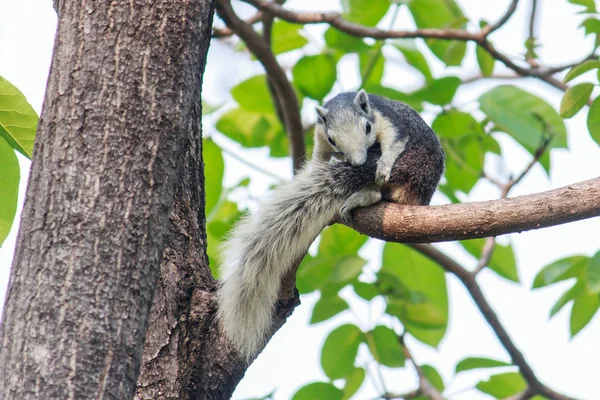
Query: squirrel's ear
{"x": 322, "y": 113}
{"x": 362, "y": 101}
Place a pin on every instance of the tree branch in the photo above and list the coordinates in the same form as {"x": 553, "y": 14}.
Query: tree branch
{"x": 284, "y": 90}
{"x": 426, "y": 224}
{"x": 532, "y": 20}
{"x": 219, "y": 33}
{"x": 493, "y": 27}
{"x": 267, "y": 22}
{"x": 486, "y": 254}
{"x": 337, "y": 21}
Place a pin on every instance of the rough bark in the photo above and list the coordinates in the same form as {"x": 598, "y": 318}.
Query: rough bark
{"x": 124, "y": 83}
{"x": 185, "y": 357}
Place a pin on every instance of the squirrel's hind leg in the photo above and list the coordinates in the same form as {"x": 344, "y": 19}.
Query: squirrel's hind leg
{"x": 363, "y": 198}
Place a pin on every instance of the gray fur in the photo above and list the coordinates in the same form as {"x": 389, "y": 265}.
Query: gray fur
{"x": 362, "y": 102}
{"x": 322, "y": 113}
{"x": 265, "y": 245}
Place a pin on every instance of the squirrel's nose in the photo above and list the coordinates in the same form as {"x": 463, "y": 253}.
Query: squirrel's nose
{"x": 358, "y": 158}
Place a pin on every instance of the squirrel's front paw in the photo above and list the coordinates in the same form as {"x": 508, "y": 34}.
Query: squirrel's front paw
{"x": 345, "y": 215}
{"x": 382, "y": 175}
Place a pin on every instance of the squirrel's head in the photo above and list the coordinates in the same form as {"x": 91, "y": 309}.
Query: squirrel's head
{"x": 349, "y": 123}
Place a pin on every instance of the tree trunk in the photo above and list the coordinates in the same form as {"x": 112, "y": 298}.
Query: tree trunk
{"x": 123, "y": 99}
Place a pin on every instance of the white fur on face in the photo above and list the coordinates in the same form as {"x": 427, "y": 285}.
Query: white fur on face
{"x": 347, "y": 128}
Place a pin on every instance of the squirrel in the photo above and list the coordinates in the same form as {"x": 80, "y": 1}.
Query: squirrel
{"x": 364, "y": 132}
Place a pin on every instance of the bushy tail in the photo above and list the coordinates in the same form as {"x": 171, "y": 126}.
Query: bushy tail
{"x": 264, "y": 246}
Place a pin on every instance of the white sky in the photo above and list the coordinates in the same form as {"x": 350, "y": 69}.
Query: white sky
{"x": 292, "y": 357}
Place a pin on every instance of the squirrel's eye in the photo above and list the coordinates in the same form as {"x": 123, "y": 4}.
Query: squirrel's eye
{"x": 330, "y": 140}
{"x": 368, "y": 127}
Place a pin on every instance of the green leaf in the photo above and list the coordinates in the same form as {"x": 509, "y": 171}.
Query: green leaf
{"x": 593, "y": 120}
{"x": 439, "y": 91}
{"x": 581, "y": 69}
{"x": 527, "y": 118}
{"x": 347, "y": 269}
{"x": 367, "y": 291}
{"x": 592, "y": 27}
{"x": 464, "y": 162}
{"x": 433, "y": 377}
{"x": 584, "y": 308}
{"x": 425, "y": 320}
{"x": 590, "y": 5}
{"x": 314, "y": 76}
{"x": 485, "y": 60}
{"x": 248, "y": 128}
{"x": 313, "y": 272}
{"x": 339, "y": 240}
{"x": 413, "y": 56}
{"x": 441, "y": 14}
{"x": 365, "y": 12}
{"x": 479, "y": 362}
{"x": 371, "y": 65}
{"x": 213, "y": 173}
{"x": 253, "y": 95}
{"x": 339, "y": 351}
{"x": 575, "y": 98}
{"x": 593, "y": 274}
{"x": 285, "y": 37}
{"x": 18, "y": 120}
{"x": 318, "y": 390}
{"x": 208, "y": 108}
{"x": 251, "y": 129}
{"x": 454, "y": 123}
{"x": 342, "y": 41}
{"x": 560, "y": 270}
{"x": 353, "y": 382}
{"x": 9, "y": 187}
{"x": 576, "y": 290}
{"x": 221, "y": 219}
{"x": 327, "y": 307}
{"x": 385, "y": 347}
{"x": 503, "y": 260}
{"x": 503, "y": 385}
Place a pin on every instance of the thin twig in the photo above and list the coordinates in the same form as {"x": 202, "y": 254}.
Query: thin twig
{"x": 479, "y": 77}
{"x": 536, "y": 157}
{"x": 405, "y": 396}
{"x": 219, "y": 33}
{"x": 283, "y": 87}
{"x": 486, "y": 31}
{"x": 425, "y": 387}
{"x": 267, "y": 22}
{"x": 486, "y": 254}
{"x": 532, "y": 20}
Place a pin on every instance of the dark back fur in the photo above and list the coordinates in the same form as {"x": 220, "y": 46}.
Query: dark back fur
{"x": 419, "y": 168}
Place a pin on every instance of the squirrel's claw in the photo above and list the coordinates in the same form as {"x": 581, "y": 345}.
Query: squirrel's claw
{"x": 345, "y": 215}
{"x": 382, "y": 175}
